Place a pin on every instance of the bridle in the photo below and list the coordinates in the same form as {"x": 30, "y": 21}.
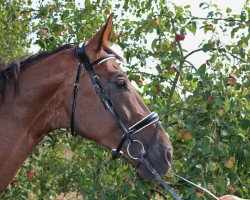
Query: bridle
{"x": 107, "y": 103}
{"x": 153, "y": 117}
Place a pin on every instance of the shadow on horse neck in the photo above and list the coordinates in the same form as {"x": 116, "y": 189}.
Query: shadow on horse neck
{"x": 36, "y": 98}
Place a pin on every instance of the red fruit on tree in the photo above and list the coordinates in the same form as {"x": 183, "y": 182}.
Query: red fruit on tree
{"x": 57, "y": 32}
{"x": 211, "y": 44}
{"x": 171, "y": 70}
{"x": 157, "y": 90}
{"x": 173, "y": 46}
{"x": 42, "y": 32}
{"x": 199, "y": 193}
{"x": 210, "y": 98}
{"x": 154, "y": 22}
{"x": 229, "y": 163}
{"x": 186, "y": 136}
{"x": 115, "y": 36}
{"x": 30, "y": 174}
{"x": 221, "y": 112}
{"x": 209, "y": 26}
{"x": 138, "y": 79}
{"x": 122, "y": 34}
{"x": 231, "y": 80}
{"x": 231, "y": 189}
{"x": 179, "y": 37}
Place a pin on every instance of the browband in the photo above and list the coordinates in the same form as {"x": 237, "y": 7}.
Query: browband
{"x": 85, "y": 60}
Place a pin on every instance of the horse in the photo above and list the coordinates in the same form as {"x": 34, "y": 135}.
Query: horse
{"x": 36, "y": 98}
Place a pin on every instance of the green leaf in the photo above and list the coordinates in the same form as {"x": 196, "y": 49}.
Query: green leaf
{"x": 201, "y": 4}
{"x": 229, "y": 10}
{"x": 175, "y": 54}
{"x": 245, "y": 92}
{"x": 65, "y": 15}
{"x": 243, "y": 16}
{"x": 193, "y": 27}
{"x": 224, "y": 133}
{"x": 206, "y": 47}
{"x": 227, "y": 105}
{"x": 245, "y": 124}
{"x": 202, "y": 69}
{"x": 210, "y": 14}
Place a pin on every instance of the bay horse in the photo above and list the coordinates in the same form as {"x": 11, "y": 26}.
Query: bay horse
{"x": 36, "y": 98}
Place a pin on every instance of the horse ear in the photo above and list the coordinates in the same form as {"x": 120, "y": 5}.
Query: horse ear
{"x": 102, "y": 37}
{"x": 106, "y": 36}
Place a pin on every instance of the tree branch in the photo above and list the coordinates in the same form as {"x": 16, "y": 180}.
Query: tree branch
{"x": 192, "y": 52}
{"x": 236, "y": 57}
{"x": 191, "y": 64}
{"x": 180, "y": 65}
{"x": 218, "y": 19}
{"x": 145, "y": 73}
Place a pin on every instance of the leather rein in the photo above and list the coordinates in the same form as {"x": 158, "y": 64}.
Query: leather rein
{"x": 153, "y": 117}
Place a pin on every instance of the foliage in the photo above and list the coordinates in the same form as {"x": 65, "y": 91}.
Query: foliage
{"x": 75, "y": 166}
{"x": 210, "y": 102}
{"x": 15, "y": 27}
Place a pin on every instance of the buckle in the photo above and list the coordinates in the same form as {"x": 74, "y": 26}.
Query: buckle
{"x": 116, "y": 154}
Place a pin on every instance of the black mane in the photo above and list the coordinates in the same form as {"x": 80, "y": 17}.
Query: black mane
{"x": 10, "y": 72}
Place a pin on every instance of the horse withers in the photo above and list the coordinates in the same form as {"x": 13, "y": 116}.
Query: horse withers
{"x": 36, "y": 98}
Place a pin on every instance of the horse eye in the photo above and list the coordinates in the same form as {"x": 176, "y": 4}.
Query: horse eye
{"x": 121, "y": 84}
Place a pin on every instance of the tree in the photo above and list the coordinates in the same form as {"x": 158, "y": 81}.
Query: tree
{"x": 15, "y": 27}
{"x": 204, "y": 108}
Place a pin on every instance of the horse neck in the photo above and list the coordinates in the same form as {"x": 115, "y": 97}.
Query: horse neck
{"x": 43, "y": 93}
{"x": 42, "y": 105}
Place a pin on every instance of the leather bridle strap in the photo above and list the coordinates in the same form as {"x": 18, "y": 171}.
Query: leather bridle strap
{"x": 147, "y": 164}
{"x": 146, "y": 121}
{"x": 88, "y": 65}
{"x": 149, "y": 167}
{"x": 73, "y": 106}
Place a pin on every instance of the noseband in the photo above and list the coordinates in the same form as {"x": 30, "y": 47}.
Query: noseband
{"x": 153, "y": 117}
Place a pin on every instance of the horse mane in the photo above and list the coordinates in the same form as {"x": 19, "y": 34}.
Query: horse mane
{"x": 10, "y": 71}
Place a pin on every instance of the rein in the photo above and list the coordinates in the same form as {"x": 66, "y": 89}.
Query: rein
{"x": 153, "y": 117}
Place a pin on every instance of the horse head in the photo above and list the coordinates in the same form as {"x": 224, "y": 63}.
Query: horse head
{"x": 96, "y": 123}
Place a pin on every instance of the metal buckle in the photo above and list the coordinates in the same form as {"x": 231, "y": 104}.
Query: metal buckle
{"x": 142, "y": 150}
{"x": 116, "y": 154}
